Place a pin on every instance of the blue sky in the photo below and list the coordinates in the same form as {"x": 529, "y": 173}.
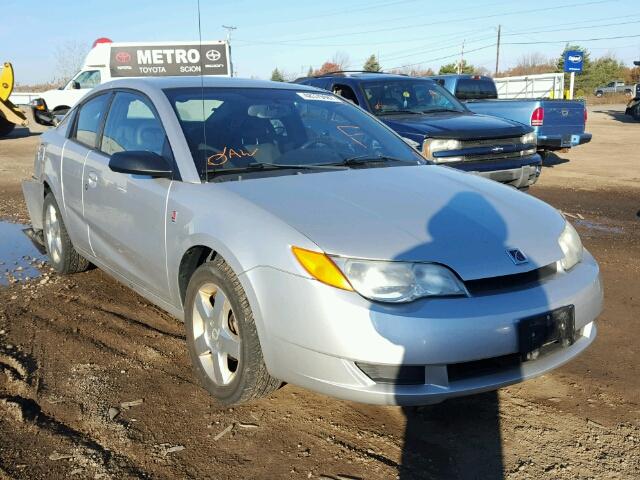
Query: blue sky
{"x": 293, "y": 35}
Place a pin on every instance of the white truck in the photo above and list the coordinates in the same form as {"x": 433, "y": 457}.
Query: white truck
{"x": 108, "y": 60}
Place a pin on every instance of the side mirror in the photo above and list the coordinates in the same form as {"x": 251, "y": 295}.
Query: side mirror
{"x": 75, "y": 85}
{"x": 141, "y": 163}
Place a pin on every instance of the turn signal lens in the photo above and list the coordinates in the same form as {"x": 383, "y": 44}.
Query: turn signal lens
{"x": 320, "y": 267}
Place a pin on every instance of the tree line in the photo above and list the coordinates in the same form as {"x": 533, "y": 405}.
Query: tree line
{"x": 596, "y": 71}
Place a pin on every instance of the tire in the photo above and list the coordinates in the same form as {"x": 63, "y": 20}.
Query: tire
{"x": 222, "y": 338}
{"x": 628, "y": 93}
{"x": 599, "y": 94}
{"x": 62, "y": 255}
{"x": 6, "y": 127}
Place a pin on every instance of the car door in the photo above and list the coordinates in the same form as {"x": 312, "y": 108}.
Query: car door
{"x": 126, "y": 213}
{"x": 83, "y": 139}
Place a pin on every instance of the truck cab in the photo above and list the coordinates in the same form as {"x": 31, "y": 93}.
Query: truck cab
{"x": 439, "y": 126}
{"x": 108, "y": 60}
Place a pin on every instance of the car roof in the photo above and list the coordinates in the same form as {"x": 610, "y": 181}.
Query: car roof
{"x": 162, "y": 83}
{"x": 361, "y": 76}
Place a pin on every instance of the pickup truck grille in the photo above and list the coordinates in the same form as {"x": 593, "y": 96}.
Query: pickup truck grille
{"x": 485, "y": 149}
{"x": 491, "y": 141}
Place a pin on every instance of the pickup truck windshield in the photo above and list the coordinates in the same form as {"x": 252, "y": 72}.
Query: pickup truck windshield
{"x": 388, "y": 97}
{"x": 230, "y": 129}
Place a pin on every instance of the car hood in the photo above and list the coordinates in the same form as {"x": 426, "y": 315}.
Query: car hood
{"x": 413, "y": 213}
{"x": 460, "y": 126}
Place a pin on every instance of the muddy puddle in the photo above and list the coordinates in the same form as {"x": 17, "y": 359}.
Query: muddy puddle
{"x": 19, "y": 259}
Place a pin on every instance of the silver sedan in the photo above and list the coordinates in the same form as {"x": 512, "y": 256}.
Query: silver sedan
{"x": 300, "y": 240}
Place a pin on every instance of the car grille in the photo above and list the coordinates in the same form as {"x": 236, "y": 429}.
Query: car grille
{"x": 507, "y": 283}
{"x": 491, "y": 141}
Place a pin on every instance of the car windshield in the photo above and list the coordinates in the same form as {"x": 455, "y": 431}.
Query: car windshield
{"x": 231, "y": 129}
{"x": 388, "y": 97}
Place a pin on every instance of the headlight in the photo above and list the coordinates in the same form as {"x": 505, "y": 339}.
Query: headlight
{"x": 398, "y": 282}
{"x": 571, "y": 246}
{"x": 530, "y": 138}
{"x": 433, "y": 145}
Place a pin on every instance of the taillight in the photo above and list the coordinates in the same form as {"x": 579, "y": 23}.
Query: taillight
{"x": 537, "y": 117}
{"x": 585, "y": 115}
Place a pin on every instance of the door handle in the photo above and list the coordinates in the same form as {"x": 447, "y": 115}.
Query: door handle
{"x": 92, "y": 179}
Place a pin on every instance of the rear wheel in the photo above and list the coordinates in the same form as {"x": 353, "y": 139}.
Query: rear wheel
{"x": 599, "y": 94}
{"x": 222, "y": 338}
{"x": 62, "y": 255}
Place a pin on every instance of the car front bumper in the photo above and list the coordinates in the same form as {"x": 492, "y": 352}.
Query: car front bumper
{"x": 314, "y": 335}
{"x": 556, "y": 142}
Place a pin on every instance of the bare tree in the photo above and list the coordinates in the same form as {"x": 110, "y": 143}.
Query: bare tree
{"x": 69, "y": 58}
{"x": 342, "y": 60}
{"x": 530, "y": 64}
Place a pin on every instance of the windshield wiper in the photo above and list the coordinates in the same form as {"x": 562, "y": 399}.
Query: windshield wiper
{"x": 400, "y": 112}
{"x": 442, "y": 110}
{"x": 257, "y": 166}
{"x": 365, "y": 159}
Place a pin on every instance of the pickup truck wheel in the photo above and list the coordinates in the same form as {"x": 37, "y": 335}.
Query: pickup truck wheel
{"x": 222, "y": 338}
{"x": 599, "y": 94}
{"x": 62, "y": 255}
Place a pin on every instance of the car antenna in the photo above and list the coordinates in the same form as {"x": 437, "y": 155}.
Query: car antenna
{"x": 204, "y": 129}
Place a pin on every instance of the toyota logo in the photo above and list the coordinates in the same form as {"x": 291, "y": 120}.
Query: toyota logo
{"x": 123, "y": 57}
{"x": 212, "y": 55}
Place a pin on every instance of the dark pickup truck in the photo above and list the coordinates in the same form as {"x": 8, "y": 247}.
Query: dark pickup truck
{"x": 633, "y": 107}
{"x": 440, "y": 126}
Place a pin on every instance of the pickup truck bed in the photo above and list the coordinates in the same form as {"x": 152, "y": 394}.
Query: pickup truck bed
{"x": 561, "y": 125}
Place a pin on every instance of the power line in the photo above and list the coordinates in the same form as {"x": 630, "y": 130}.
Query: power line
{"x": 422, "y": 25}
{"x": 574, "y": 40}
{"x": 441, "y": 58}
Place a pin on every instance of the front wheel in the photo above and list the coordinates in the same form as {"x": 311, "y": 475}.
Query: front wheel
{"x": 599, "y": 94}
{"x": 62, "y": 255}
{"x": 222, "y": 338}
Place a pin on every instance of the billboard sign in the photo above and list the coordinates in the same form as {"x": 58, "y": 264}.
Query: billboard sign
{"x": 175, "y": 59}
{"x": 573, "y": 61}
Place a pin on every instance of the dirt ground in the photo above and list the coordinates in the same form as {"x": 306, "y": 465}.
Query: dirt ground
{"x": 73, "y": 349}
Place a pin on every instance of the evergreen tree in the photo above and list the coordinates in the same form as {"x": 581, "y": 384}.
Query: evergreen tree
{"x": 276, "y": 76}
{"x": 371, "y": 65}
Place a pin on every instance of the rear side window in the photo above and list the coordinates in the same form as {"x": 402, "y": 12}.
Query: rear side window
{"x": 470, "y": 89}
{"x": 132, "y": 125}
{"x": 89, "y": 120}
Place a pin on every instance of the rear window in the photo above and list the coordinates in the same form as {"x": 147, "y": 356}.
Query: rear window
{"x": 472, "y": 89}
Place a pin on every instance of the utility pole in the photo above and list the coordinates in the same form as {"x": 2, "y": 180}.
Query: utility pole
{"x": 461, "y": 59}
{"x": 498, "y": 50}
{"x": 229, "y": 29}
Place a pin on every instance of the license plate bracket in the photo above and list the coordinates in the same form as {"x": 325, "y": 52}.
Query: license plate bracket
{"x": 548, "y": 331}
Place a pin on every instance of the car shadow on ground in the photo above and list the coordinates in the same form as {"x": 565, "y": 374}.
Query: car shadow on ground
{"x": 617, "y": 115}
{"x": 551, "y": 159}
{"x": 20, "y": 132}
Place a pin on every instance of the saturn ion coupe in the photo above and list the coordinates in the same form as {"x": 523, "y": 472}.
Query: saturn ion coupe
{"x": 303, "y": 241}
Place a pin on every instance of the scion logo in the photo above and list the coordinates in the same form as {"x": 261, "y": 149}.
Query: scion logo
{"x": 517, "y": 256}
{"x": 212, "y": 55}
{"x": 123, "y": 57}
{"x": 575, "y": 58}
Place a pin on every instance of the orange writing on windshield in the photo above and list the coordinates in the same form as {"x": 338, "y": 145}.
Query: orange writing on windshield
{"x": 218, "y": 159}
